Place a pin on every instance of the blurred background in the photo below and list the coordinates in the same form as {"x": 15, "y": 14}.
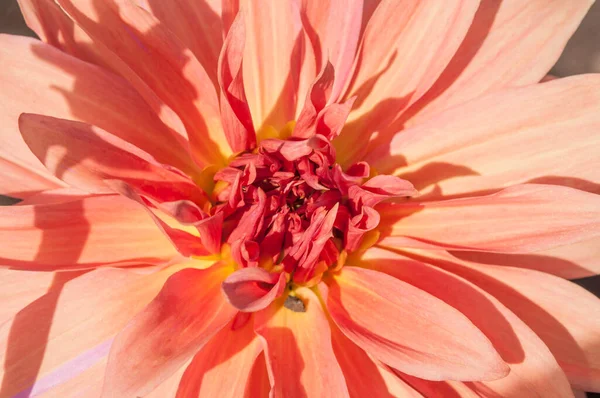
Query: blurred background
{"x": 582, "y": 55}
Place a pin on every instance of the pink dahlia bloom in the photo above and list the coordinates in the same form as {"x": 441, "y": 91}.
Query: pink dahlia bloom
{"x": 310, "y": 198}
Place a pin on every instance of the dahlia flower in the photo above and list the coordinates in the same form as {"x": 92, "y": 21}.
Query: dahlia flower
{"x": 309, "y": 198}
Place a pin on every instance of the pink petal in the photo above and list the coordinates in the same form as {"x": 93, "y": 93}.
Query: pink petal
{"x": 23, "y": 181}
{"x": 53, "y": 26}
{"x": 163, "y": 70}
{"x": 272, "y": 60}
{"x": 82, "y": 233}
{"x": 253, "y": 289}
{"x": 188, "y": 311}
{"x": 386, "y": 317}
{"x": 533, "y": 369}
{"x": 52, "y": 83}
{"x": 170, "y": 386}
{"x": 333, "y": 27}
{"x": 298, "y": 350}
{"x": 196, "y": 23}
{"x": 223, "y": 367}
{"x": 47, "y": 341}
{"x": 83, "y": 156}
{"x": 19, "y": 288}
{"x": 505, "y": 138}
{"x": 507, "y": 45}
{"x": 364, "y": 377}
{"x": 235, "y": 112}
{"x": 518, "y": 219}
{"x": 565, "y": 316}
{"x": 577, "y": 260}
{"x": 406, "y": 46}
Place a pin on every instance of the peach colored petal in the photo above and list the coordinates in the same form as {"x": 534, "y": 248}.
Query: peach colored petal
{"x": 298, "y": 350}
{"x": 386, "y": 317}
{"x": 23, "y": 181}
{"x": 56, "y": 28}
{"x": 546, "y": 133}
{"x": 84, "y": 156}
{"x": 87, "y": 384}
{"x": 81, "y": 233}
{"x": 577, "y": 260}
{"x": 365, "y": 377}
{"x": 184, "y": 316}
{"x": 406, "y": 46}
{"x": 169, "y": 387}
{"x": 533, "y": 369}
{"x": 196, "y": 23}
{"x": 273, "y": 60}
{"x": 509, "y": 44}
{"x": 565, "y": 316}
{"x": 52, "y": 83}
{"x": 222, "y": 367}
{"x": 50, "y": 340}
{"x": 333, "y": 27}
{"x": 521, "y": 218}
{"x": 162, "y": 69}
{"x": 19, "y": 288}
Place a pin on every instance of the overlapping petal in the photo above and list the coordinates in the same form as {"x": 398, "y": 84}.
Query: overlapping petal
{"x": 386, "y": 317}
{"x": 544, "y": 133}
{"x": 185, "y": 315}
{"x": 522, "y": 218}
{"x": 533, "y": 369}
{"x": 298, "y": 350}
{"x": 81, "y": 233}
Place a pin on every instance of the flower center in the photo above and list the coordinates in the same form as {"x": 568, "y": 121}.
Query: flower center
{"x": 289, "y": 207}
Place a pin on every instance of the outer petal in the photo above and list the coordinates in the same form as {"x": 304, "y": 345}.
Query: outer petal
{"x": 298, "y": 350}
{"x": 334, "y": 27}
{"x": 564, "y": 315}
{"x": 188, "y": 311}
{"x": 533, "y": 370}
{"x": 65, "y": 332}
{"x": 577, "y": 260}
{"x": 52, "y": 83}
{"x": 518, "y": 219}
{"x": 386, "y": 317}
{"x": 406, "y": 46}
{"x": 19, "y": 288}
{"x": 196, "y": 23}
{"x": 165, "y": 72}
{"x": 507, "y": 45}
{"x": 235, "y": 112}
{"x": 272, "y": 60}
{"x": 259, "y": 385}
{"x": 23, "y": 181}
{"x": 223, "y": 367}
{"x": 81, "y": 233}
{"x": 56, "y": 28}
{"x": 84, "y": 156}
{"x": 545, "y": 133}
{"x": 364, "y": 377}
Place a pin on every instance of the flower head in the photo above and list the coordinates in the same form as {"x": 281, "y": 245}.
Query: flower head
{"x": 298, "y": 198}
